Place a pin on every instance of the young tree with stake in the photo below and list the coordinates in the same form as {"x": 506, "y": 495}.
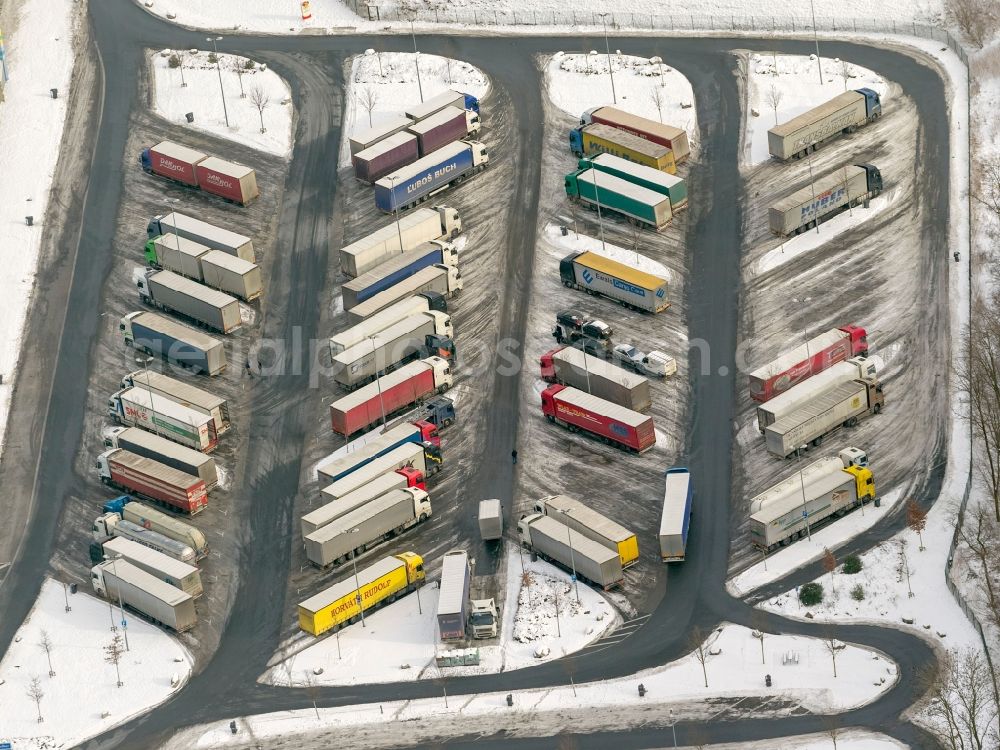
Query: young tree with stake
{"x": 36, "y": 694}
{"x": 916, "y": 519}
{"x": 830, "y": 565}
{"x": 696, "y": 641}
{"x": 832, "y": 645}
{"x": 774, "y": 97}
{"x": 656, "y": 96}
{"x": 45, "y": 644}
{"x": 368, "y": 99}
{"x": 113, "y": 655}
{"x": 260, "y": 100}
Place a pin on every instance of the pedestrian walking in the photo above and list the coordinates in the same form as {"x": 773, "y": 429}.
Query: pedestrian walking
{"x": 513, "y": 455}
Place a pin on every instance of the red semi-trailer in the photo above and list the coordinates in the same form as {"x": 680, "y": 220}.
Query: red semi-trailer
{"x": 175, "y": 162}
{"x": 148, "y": 478}
{"x": 229, "y": 180}
{"x": 814, "y": 356}
{"x": 580, "y": 412}
{"x": 390, "y": 394}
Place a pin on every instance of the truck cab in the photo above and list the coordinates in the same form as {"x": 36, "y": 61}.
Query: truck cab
{"x": 438, "y": 346}
{"x": 439, "y": 412}
{"x": 414, "y": 477}
{"x": 432, "y": 456}
{"x": 145, "y": 160}
{"x": 414, "y": 567}
{"x": 480, "y": 158}
{"x": 472, "y": 122}
{"x": 576, "y": 142}
{"x": 471, "y": 103}
{"x": 103, "y": 467}
{"x": 873, "y": 103}
{"x": 117, "y": 504}
{"x": 443, "y": 379}
{"x": 140, "y": 278}
{"x": 451, "y": 222}
{"x": 125, "y": 328}
{"x": 858, "y": 337}
{"x": 483, "y": 618}
{"x": 115, "y": 411}
{"x": 97, "y": 580}
{"x": 524, "y": 525}
{"x": 853, "y": 457}
{"x": 421, "y": 503}
{"x": 104, "y": 526}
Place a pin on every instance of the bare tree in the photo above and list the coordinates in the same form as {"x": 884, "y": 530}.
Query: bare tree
{"x": 113, "y": 655}
{"x": 845, "y": 72}
{"x": 978, "y": 374}
{"x": 832, "y": 725}
{"x": 962, "y": 699}
{"x": 569, "y": 667}
{"x": 696, "y": 641}
{"x": 656, "y": 96}
{"x": 975, "y": 18}
{"x": 830, "y": 565}
{"x": 757, "y": 619}
{"x": 45, "y": 644}
{"x": 980, "y": 533}
{"x": 36, "y": 694}
{"x": 832, "y": 646}
{"x": 916, "y": 519}
{"x": 773, "y": 99}
{"x": 368, "y": 99}
{"x": 259, "y": 99}
{"x": 239, "y": 68}
{"x": 312, "y": 690}
{"x": 990, "y": 180}
{"x": 904, "y": 566}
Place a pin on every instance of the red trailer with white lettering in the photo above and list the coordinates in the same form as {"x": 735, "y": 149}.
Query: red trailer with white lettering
{"x": 812, "y": 357}
{"x": 145, "y": 477}
{"x": 228, "y": 180}
{"x": 174, "y": 161}
{"x": 578, "y": 411}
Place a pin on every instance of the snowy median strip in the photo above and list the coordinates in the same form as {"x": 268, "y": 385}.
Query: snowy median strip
{"x": 573, "y": 242}
{"x": 75, "y": 679}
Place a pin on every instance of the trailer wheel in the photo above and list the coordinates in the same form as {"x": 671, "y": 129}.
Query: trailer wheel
{"x": 817, "y": 442}
{"x": 877, "y": 409}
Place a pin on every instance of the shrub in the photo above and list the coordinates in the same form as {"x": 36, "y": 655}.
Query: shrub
{"x": 852, "y": 565}
{"x": 858, "y": 593}
{"x": 174, "y": 61}
{"x": 213, "y": 58}
{"x": 249, "y": 64}
{"x": 811, "y": 594}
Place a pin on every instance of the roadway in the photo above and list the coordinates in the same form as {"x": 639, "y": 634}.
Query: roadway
{"x": 696, "y": 596}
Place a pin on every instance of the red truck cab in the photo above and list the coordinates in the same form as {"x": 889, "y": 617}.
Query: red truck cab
{"x": 548, "y": 367}
{"x": 414, "y": 477}
{"x": 428, "y": 432}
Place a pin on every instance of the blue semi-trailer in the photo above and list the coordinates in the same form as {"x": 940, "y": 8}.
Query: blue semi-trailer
{"x": 387, "y": 274}
{"x": 416, "y": 182}
{"x": 161, "y": 337}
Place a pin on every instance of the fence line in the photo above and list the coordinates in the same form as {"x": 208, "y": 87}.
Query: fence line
{"x": 623, "y": 22}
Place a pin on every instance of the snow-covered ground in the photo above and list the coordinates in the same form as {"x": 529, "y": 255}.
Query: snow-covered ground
{"x": 202, "y": 97}
{"x": 804, "y": 551}
{"x": 796, "y": 88}
{"x": 793, "y": 247}
{"x": 733, "y": 665}
{"x": 399, "y": 642}
{"x": 390, "y": 79}
{"x": 39, "y": 57}
{"x": 335, "y": 15}
{"x": 852, "y": 739}
{"x": 574, "y": 242}
{"x": 579, "y": 81}
{"x": 82, "y": 698}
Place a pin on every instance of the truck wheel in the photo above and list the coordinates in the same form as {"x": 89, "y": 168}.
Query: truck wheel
{"x": 423, "y": 517}
{"x": 877, "y": 409}
{"x": 550, "y": 418}
{"x": 447, "y": 422}
{"x": 818, "y": 442}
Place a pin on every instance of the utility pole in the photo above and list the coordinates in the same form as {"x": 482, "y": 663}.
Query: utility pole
{"x": 819, "y": 64}
{"x": 607, "y": 46}
{"x": 357, "y": 584}
{"x": 218, "y": 69}
{"x": 597, "y": 198}
{"x": 378, "y": 380}
{"x": 572, "y": 559}
{"x": 805, "y": 512}
{"x": 416, "y": 61}
{"x": 121, "y": 605}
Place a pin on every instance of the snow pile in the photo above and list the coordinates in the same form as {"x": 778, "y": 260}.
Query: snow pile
{"x": 580, "y": 243}
{"x": 578, "y": 82}
{"x": 793, "y": 247}
{"x": 786, "y": 559}
{"x": 242, "y": 79}
{"x": 399, "y": 642}
{"x": 847, "y": 739}
{"x": 793, "y": 81}
{"x": 82, "y": 698}
{"x": 388, "y": 80}
{"x": 39, "y": 57}
{"x": 802, "y": 670}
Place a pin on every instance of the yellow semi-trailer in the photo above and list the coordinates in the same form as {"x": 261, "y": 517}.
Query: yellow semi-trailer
{"x": 666, "y": 135}
{"x": 604, "y": 139}
{"x": 592, "y": 525}
{"x": 596, "y": 274}
{"x": 377, "y": 584}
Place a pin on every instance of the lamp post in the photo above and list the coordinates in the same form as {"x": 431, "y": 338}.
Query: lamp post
{"x": 357, "y": 584}
{"x": 144, "y": 360}
{"x": 378, "y": 380}
{"x": 673, "y": 726}
{"x": 607, "y": 46}
{"x": 121, "y": 606}
{"x": 805, "y": 512}
{"x": 416, "y": 61}
{"x": 181, "y": 66}
{"x": 395, "y": 208}
{"x": 572, "y": 558}
{"x": 819, "y": 65}
{"x": 597, "y": 198}
{"x": 218, "y": 69}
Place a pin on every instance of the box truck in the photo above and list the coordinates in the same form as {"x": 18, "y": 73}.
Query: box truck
{"x": 826, "y": 488}
{"x": 234, "y": 182}
{"x": 181, "y": 393}
{"x": 408, "y": 455}
{"x": 416, "y": 182}
{"x": 656, "y": 180}
{"x": 419, "y": 335}
{"x": 367, "y": 526}
{"x": 344, "y": 602}
{"x": 412, "y": 305}
{"x": 591, "y": 524}
{"x": 156, "y": 520}
{"x": 824, "y": 199}
{"x": 596, "y": 274}
{"x": 386, "y": 156}
{"x": 111, "y": 524}
{"x": 805, "y": 360}
{"x": 551, "y": 540}
{"x": 397, "y": 268}
{"x": 183, "y": 346}
{"x": 167, "y": 452}
{"x": 844, "y": 113}
{"x": 675, "y": 519}
{"x": 490, "y": 520}
{"x": 453, "y": 599}
{"x": 615, "y": 425}
{"x": 673, "y": 138}
{"x": 178, "y": 574}
{"x": 614, "y": 196}
{"x": 590, "y": 140}
{"x": 201, "y": 232}
{"x": 117, "y": 580}
{"x": 786, "y": 402}
{"x": 444, "y": 281}
{"x": 570, "y": 366}
{"x": 209, "y": 307}
{"x": 390, "y": 394}
{"x": 151, "y": 479}
{"x": 406, "y": 233}
{"x": 137, "y": 407}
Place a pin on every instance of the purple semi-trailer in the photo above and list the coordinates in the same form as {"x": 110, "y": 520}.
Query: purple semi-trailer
{"x": 413, "y": 184}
